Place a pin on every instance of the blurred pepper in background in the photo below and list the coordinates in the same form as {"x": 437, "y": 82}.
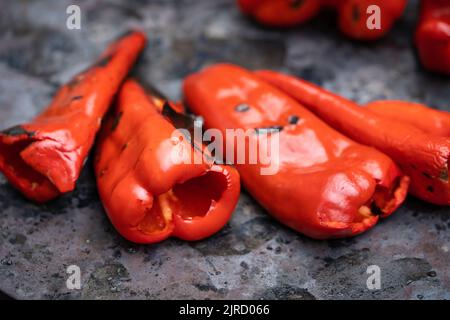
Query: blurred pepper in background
{"x": 352, "y": 14}
{"x": 433, "y": 35}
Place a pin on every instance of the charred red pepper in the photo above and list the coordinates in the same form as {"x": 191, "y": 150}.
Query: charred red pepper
{"x": 352, "y": 14}
{"x": 327, "y": 186}
{"x": 427, "y": 119}
{"x": 147, "y": 195}
{"x": 433, "y": 35}
{"x": 423, "y": 157}
{"x": 43, "y": 158}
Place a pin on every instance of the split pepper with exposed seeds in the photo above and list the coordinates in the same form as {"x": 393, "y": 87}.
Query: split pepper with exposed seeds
{"x": 433, "y": 35}
{"x": 424, "y": 157}
{"x": 150, "y": 187}
{"x": 326, "y": 185}
{"x": 43, "y": 158}
{"x": 353, "y": 15}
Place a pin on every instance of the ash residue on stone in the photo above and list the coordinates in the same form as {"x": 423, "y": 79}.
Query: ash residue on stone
{"x": 106, "y": 281}
{"x": 285, "y": 292}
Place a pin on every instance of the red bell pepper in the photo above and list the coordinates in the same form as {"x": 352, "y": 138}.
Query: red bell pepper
{"x": 43, "y": 158}
{"x": 433, "y": 35}
{"x": 327, "y": 186}
{"x": 352, "y": 14}
{"x": 427, "y": 119}
{"x": 147, "y": 195}
{"x": 423, "y": 157}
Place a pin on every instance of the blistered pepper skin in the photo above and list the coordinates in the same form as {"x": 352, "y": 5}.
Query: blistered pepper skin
{"x": 327, "y": 186}
{"x": 422, "y": 156}
{"x": 429, "y": 120}
{"x": 433, "y": 35}
{"x": 352, "y": 14}
{"x": 148, "y": 187}
{"x": 43, "y": 158}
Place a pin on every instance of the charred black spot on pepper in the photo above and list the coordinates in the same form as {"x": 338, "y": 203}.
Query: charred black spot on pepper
{"x": 243, "y": 107}
{"x": 183, "y": 121}
{"x": 444, "y": 175}
{"x": 179, "y": 120}
{"x": 77, "y": 98}
{"x": 103, "y": 61}
{"x": 116, "y": 121}
{"x": 268, "y": 130}
{"x": 427, "y": 175}
{"x": 430, "y": 189}
{"x": 375, "y": 210}
{"x": 355, "y": 13}
{"x": 17, "y": 131}
{"x": 293, "y": 119}
{"x": 297, "y": 3}
{"x": 76, "y": 80}
{"x": 102, "y": 172}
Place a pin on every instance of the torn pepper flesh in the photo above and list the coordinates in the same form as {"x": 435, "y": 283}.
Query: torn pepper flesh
{"x": 326, "y": 186}
{"x": 43, "y": 158}
{"x": 424, "y": 157}
{"x": 150, "y": 189}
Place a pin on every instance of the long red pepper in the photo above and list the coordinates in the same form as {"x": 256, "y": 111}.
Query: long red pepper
{"x": 147, "y": 188}
{"x": 433, "y": 35}
{"x": 43, "y": 158}
{"x": 427, "y": 119}
{"x": 327, "y": 186}
{"x": 353, "y": 15}
{"x": 423, "y": 157}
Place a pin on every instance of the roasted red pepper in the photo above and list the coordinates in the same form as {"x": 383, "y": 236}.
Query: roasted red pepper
{"x": 327, "y": 186}
{"x": 352, "y": 14}
{"x": 423, "y": 157}
{"x": 43, "y": 158}
{"x": 427, "y": 119}
{"x": 147, "y": 195}
{"x": 433, "y": 35}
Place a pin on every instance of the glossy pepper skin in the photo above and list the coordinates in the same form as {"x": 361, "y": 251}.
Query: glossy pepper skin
{"x": 421, "y": 156}
{"x": 352, "y": 14}
{"x": 429, "y": 120}
{"x": 327, "y": 186}
{"x": 43, "y": 158}
{"x": 149, "y": 195}
{"x": 433, "y": 35}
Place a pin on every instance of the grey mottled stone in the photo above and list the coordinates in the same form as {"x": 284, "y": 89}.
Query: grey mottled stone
{"x": 253, "y": 256}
